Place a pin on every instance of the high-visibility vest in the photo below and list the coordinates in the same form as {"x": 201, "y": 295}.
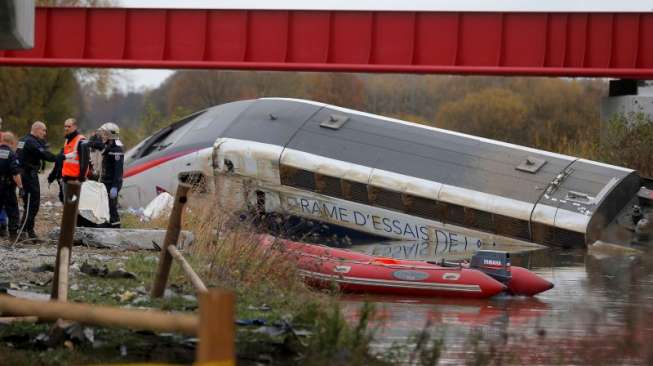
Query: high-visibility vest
{"x": 71, "y": 160}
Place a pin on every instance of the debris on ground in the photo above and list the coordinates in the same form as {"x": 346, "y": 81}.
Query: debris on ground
{"x": 29, "y": 295}
{"x": 161, "y": 205}
{"x": 94, "y": 202}
{"x": 104, "y": 271}
{"x": 132, "y": 239}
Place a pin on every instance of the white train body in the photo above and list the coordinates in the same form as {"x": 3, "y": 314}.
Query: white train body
{"x": 382, "y": 176}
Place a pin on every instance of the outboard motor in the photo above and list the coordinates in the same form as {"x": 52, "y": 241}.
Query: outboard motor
{"x": 493, "y": 263}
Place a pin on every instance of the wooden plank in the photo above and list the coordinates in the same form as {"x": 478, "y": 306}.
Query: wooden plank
{"x": 68, "y": 223}
{"x": 194, "y": 278}
{"x": 172, "y": 236}
{"x": 216, "y": 330}
{"x": 107, "y": 316}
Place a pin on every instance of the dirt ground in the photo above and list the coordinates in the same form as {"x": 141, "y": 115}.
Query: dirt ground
{"x": 19, "y": 262}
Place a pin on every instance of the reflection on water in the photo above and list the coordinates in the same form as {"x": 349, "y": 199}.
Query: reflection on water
{"x": 429, "y": 251}
{"x": 599, "y": 312}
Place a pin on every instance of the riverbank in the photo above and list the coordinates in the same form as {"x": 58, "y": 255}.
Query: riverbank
{"x": 280, "y": 320}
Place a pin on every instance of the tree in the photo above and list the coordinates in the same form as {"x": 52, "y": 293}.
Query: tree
{"x": 37, "y": 94}
{"x": 344, "y": 90}
{"x": 628, "y": 141}
{"x": 493, "y": 113}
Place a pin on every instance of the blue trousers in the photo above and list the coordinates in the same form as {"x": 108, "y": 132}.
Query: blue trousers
{"x": 3, "y": 217}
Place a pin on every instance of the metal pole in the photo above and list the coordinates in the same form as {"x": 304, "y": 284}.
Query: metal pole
{"x": 102, "y": 315}
{"x": 68, "y": 222}
{"x": 171, "y": 238}
{"x": 194, "y": 278}
{"x": 216, "y": 328}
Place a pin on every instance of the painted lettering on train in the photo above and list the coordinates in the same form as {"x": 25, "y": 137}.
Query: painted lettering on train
{"x": 450, "y": 242}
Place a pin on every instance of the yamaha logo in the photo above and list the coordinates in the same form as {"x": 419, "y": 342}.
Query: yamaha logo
{"x": 492, "y": 262}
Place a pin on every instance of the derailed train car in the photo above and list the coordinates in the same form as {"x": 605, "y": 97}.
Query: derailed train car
{"x": 389, "y": 177}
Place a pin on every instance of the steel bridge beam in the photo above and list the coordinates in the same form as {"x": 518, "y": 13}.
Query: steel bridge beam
{"x": 549, "y": 44}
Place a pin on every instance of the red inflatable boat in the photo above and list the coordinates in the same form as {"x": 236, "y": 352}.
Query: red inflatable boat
{"x": 323, "y": 266}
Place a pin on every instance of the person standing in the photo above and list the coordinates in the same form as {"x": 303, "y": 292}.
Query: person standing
{"x": 72, "y": 163}
{"x": 32, "y": 152}
{"x": 113, "y": 157}
{"x": 75, "y": 153}
{"x": 9, "y": 180}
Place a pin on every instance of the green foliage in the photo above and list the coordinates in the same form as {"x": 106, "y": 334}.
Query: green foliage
{"x": 31, "y": 94}
{"x": 628, "y": 141}
{"x": 494, "y": 113}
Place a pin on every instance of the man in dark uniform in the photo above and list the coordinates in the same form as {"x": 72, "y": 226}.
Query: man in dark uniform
{"x": 32, "y": 152}
{"x": 9, "y": 179}
{"x": 112, "y": 164}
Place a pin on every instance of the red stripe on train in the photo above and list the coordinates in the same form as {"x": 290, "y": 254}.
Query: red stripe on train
{"x": 152, "y": 163}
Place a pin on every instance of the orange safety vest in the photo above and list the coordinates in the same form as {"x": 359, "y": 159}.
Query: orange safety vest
{"x": 71, "y": 161}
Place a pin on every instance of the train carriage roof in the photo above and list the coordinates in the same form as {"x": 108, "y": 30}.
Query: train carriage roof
{"x": 429, "y": 153}
{"x": 443, "y": 156}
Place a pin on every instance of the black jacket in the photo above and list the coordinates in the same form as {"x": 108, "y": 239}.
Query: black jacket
{"x": 9, "y": 166}
{"x": 31, "y": 152}
{"x": 113, "y": 158}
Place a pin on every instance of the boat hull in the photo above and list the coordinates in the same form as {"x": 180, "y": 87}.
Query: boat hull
{"x": 326, "y": 267}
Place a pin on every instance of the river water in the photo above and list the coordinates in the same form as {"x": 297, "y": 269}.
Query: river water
{"x": 599, "y": 312}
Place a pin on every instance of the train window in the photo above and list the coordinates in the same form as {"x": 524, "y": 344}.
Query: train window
{"x": 455, "y": 213}
{"x": 327, "y": 185}
{"x": 385, "y": 198}
{"x": 511, "y": 227}
{"x": 422, "y": 207}
{"x": 167, "y": 136}
{"x": 554, "y": 236}
{"x": 544, "y": 234}
{"x": 354, "y": 191}
{"x": 479, "y": 219}
{"x": 569, "y": 239}
{"x": 205, "y": 120}
{"x": 298, "y": 178}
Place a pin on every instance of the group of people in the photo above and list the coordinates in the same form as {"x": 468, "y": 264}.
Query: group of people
{"x": 22, "y": 160}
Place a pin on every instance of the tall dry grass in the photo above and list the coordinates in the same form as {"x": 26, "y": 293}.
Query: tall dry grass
{"x": 227, "y": 255}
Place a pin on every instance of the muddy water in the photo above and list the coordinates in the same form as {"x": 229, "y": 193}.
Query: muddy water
{"x": 599, "y": 312}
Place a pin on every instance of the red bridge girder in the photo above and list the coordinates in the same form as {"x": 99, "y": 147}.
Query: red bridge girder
{"x": 550, "y": 44}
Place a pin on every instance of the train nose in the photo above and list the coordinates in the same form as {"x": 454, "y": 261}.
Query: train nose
{"x": 527, "y": 283}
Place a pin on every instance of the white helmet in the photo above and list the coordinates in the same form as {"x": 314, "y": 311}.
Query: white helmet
{"x": 111, "y": 130}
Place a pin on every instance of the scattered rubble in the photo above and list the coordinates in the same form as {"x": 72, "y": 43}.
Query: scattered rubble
{"x": 104, "y": 272}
